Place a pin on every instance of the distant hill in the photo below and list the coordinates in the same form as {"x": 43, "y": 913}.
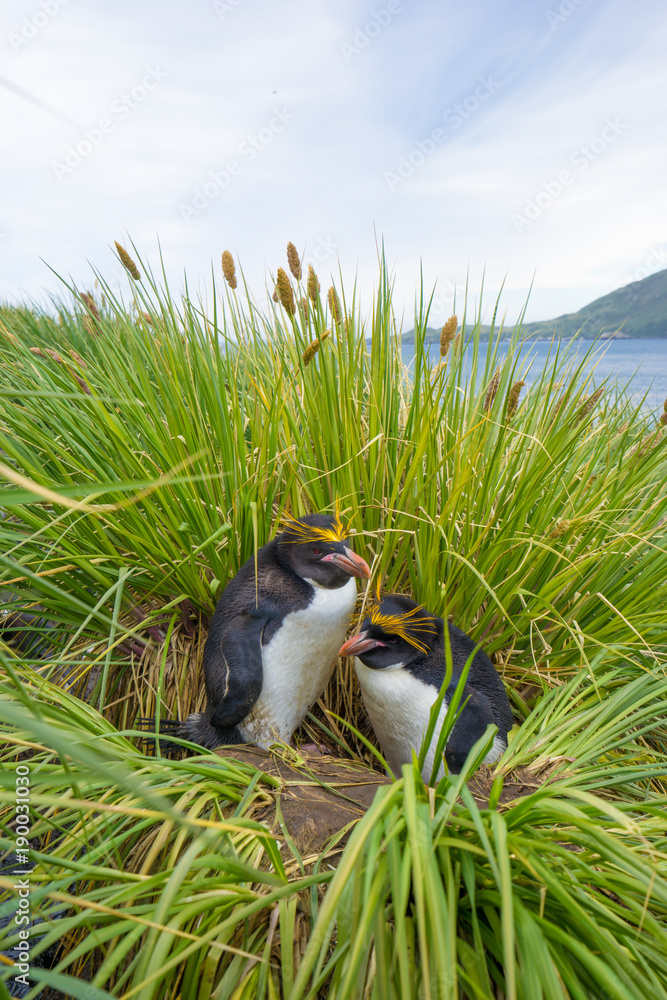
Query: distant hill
{"x": 636, "y": 310}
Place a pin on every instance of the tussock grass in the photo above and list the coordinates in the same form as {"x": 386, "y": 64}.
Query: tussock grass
{"x": 157, "y": 881}
{"x": 145, "y": 463}
{"x": 543, "y": 534}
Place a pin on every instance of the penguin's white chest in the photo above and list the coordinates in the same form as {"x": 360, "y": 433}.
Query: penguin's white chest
{"x": 399, "y": 706}
{"x": 297, "y": 664}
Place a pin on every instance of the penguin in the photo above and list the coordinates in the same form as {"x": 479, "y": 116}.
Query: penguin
{"x": 275, "y": 634}
{"x": 400, "y": 662}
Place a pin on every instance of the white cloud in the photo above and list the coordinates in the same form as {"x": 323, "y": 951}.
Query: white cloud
{"x": 320, "y": 181}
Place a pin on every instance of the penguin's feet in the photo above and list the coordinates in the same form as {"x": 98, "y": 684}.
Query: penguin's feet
{"x": 314, "y": 749}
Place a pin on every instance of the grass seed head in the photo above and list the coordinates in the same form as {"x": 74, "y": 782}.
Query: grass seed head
{"x": 589, "y": 403}
{"x": 228, "y": 269}
{"x": 82, "y": 384}
{"x": 334, "y": 305}
{"x": 559, "y": 528}
{"x": 303, "y": 306}
{"x": 127, "y": 262}
{"x": 663, "y": 418}
{"x": 79, "y": 360}
{"x": 513, "y": 398}
{"x": 89, "y": 327}
{"x": 491, "y": 390}
{"x": 47, "y": 351}
{"x": 560, "y": 403}
{"x": 664, "y": 406}
{"x": 447, "y": 335}
{"x": 285, "y": 292}
{"x": 313, "y": 285}
{"x": 314, "y": 347}
{"x": 293, "y": 261}
{"x": 649, "y": 442}
{"x": 89, "y": 303}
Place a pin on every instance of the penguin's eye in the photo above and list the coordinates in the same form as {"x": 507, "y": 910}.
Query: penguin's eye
{"x": 316, "y": 551}
{"x": 392, "y": 642}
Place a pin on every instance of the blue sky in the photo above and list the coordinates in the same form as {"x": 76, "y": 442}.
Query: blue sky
{"x": 518, "y": 142}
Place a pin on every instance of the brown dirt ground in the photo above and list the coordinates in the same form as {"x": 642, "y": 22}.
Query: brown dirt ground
{"x": 312, "y": 814}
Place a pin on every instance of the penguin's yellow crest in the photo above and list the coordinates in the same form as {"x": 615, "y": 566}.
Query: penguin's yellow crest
{"x": 408, "y": 626}
{"x": 305, "y": 533}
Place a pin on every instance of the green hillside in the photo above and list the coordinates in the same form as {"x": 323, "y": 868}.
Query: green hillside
{"x": 636, "y": 310}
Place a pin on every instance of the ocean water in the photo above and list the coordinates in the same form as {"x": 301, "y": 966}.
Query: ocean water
{"x": 638, "y": 365}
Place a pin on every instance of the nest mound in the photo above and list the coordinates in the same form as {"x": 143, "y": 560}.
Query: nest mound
{"x": 318, "y": 796}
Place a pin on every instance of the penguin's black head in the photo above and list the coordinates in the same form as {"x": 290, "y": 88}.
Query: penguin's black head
{"x": 315, "y": 547}
{"x": 396, "y": 632}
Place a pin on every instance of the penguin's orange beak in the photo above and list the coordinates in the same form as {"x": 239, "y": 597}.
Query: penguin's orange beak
{"x": 349, "y": 562}
{"x": 359, "y": 643}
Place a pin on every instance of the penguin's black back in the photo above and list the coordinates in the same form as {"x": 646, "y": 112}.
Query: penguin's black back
{"x": 275, "y": 589}
{"x": 482, "y": 675}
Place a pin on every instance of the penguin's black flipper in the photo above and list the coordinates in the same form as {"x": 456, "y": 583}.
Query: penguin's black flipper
{"x": 477, "y": 714}
{"x": 241, "y": 674}
{"x": 238, "y": 671}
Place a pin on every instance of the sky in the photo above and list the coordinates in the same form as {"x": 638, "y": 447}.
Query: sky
{"x": 514, "y": 144}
